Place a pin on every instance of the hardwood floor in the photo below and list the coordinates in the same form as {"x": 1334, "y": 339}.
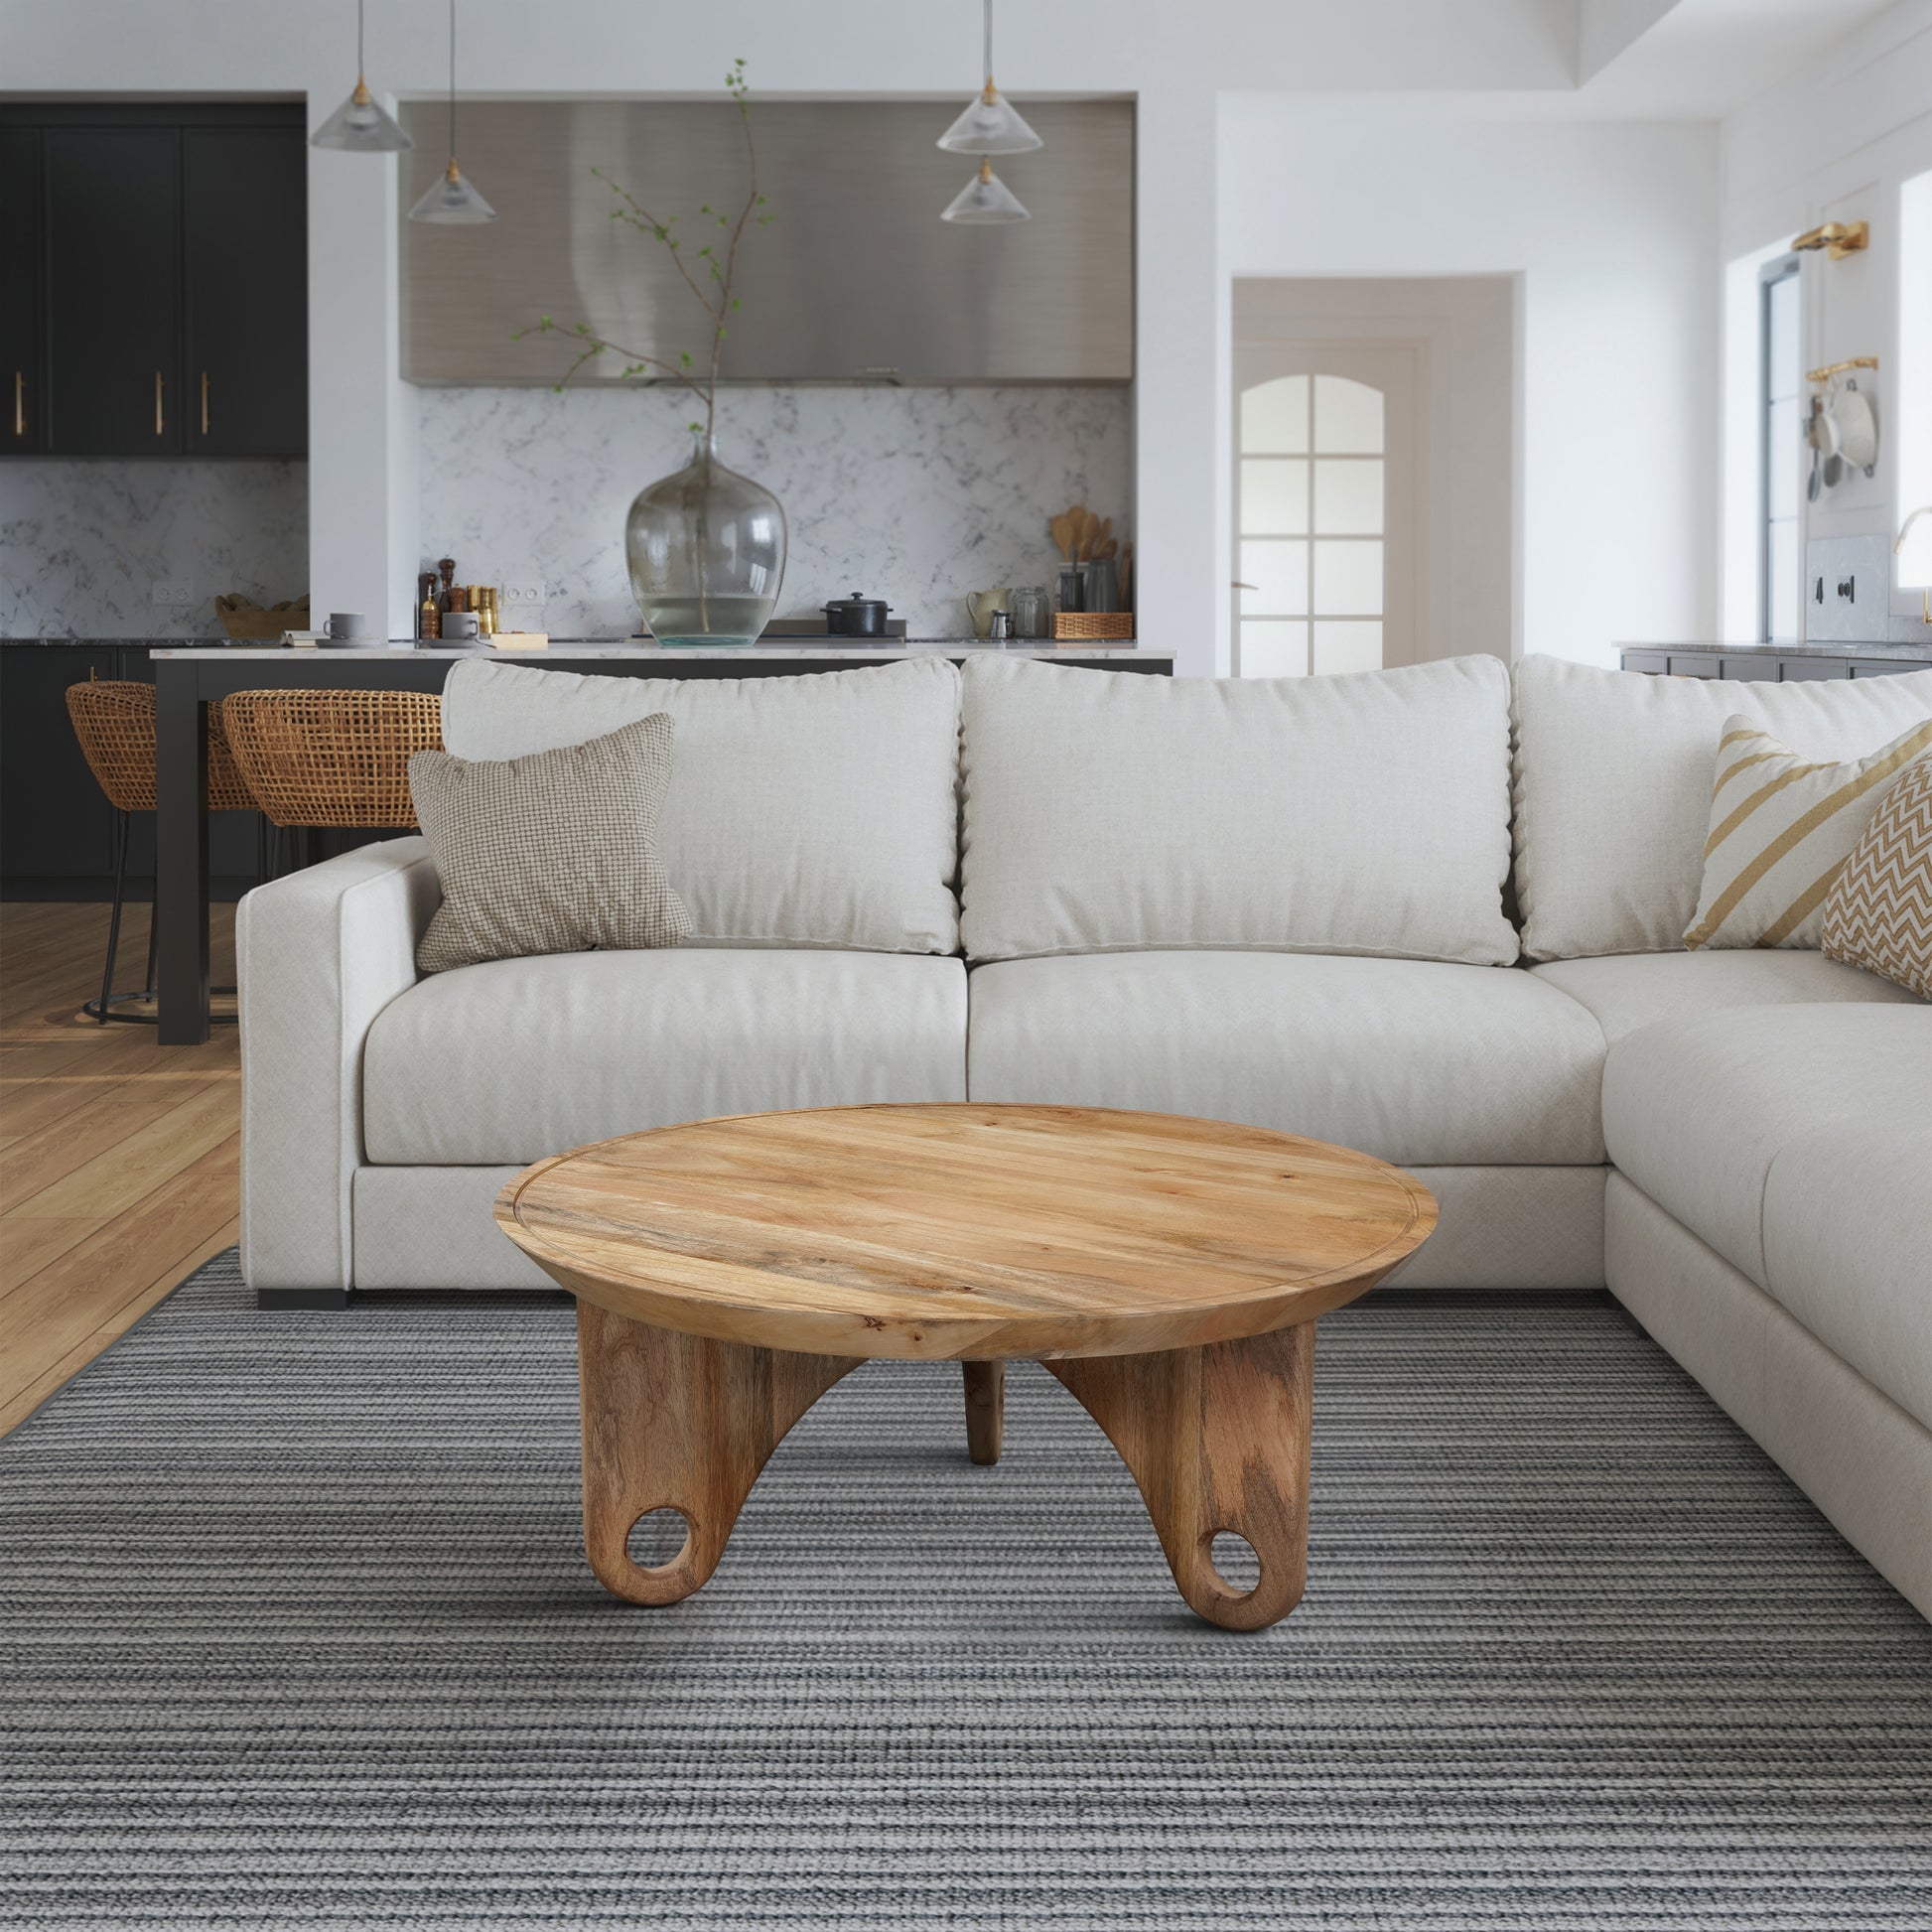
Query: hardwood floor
{"x": 118, "y": 1157}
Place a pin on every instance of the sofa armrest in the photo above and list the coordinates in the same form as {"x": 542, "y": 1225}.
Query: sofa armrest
{"x": 320, "y": 953}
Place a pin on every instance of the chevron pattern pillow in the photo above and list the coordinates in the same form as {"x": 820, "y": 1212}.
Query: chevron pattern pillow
{"x": 1781, "y": 829}
{"x": 1878, "y": 913}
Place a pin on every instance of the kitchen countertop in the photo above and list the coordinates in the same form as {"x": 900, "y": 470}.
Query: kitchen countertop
{"x": 679, "y": 654}
{"x": 1903, "y": 654}
{"x": 619, "y": 648}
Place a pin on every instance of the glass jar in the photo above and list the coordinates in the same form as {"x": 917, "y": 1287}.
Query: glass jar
{"x": 1033, "y": 612}
{"x": 706, "y": 549}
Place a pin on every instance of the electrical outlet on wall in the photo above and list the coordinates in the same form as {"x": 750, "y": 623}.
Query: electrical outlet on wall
{"x": 522, "y": 598}
{"x": 176, "y": 593}
{"x": 1847, "y": 590}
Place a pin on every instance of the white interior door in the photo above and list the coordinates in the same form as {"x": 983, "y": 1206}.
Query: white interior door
{"x": 1327, "y": 490}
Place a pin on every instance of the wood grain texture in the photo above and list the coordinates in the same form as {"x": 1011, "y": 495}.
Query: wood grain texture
{"x": 1217, "y": 1440}
{"x": 120, "y": 1167}
{"x": 678, "y": 1422}
{"x": 961, "y": 1230}
{"x": 986, "y": 1409}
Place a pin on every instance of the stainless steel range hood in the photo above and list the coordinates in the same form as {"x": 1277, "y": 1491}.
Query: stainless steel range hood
{"x": 856, "y": 279}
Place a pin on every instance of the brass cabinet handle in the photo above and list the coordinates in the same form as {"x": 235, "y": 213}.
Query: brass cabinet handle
{"x": 159, "y": 424}
{"x": 20, "y": 403}
{"x": 204, "y": 402}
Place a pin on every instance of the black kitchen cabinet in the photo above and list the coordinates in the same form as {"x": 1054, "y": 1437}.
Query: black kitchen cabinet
{"x": 154, "y": 279}
{"x": 113, "y": 290}
{"x": 56, "y": 824}
{"x": 21, "y": 415}
{"x": 56, "y": 828}
{"x": 246, "y": 275}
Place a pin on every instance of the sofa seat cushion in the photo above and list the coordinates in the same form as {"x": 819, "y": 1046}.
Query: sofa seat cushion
{"x": 1697, "y": 1110}
{"x": 509, "y": 1061}
{"x": 1848, "y": 1247}
{"x": 1420, "y": 1063}
{"x": 1628, "y": 991}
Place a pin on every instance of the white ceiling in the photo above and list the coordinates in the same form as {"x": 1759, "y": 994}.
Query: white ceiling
{"x": 1610, "y": 60}
{"x": 1703, "y": 59}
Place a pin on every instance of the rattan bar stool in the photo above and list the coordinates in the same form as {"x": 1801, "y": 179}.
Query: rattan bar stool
{"x": 332, "y": 761}
{"x": 114, "y": 721}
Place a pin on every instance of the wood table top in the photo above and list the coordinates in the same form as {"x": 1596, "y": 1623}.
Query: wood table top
{"x": 966, "y": 1230}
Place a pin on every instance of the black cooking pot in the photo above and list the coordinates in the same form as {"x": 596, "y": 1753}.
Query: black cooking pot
{"x": 856, "y": 616}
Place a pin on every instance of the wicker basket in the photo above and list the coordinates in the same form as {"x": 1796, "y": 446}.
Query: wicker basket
{"x": 1093, "y": 626}
{"x": 332, "y": 758}
{"x": 113, "y": 718}
{"x": 242, "y": 619}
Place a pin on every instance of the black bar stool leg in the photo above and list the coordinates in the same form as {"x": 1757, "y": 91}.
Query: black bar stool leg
{"x": 154, "y": 932}
{"x": 114, "y": 917}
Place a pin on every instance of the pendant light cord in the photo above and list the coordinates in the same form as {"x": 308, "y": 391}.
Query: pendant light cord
{"x": 453, "y": 79}
{"x": 989, "y": 39}
{"x": 360, "y": 70}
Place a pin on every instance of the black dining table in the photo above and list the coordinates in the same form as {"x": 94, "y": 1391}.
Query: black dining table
{"x": 189, "y": 680}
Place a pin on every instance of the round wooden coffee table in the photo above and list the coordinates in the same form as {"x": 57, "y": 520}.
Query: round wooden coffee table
{"x": 1168, "y": 1271}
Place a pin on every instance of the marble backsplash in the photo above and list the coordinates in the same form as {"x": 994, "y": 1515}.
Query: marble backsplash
{"x": 918, "y": 495}
{"x": 84, "y": 541}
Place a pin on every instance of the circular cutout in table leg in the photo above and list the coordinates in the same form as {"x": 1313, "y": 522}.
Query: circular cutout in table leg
{"x": 1235, "y": 1562}
{"x": 659, "y": 1539}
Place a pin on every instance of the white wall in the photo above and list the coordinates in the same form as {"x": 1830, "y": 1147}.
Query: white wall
{"x": 1836, "y": 148}
{"x": 1613, "y": 231}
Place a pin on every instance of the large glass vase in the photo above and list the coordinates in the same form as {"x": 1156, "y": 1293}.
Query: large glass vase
{"x": 707, "y": 553}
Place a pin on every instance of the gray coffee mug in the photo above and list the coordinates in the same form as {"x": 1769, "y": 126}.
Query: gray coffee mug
{"x": 458, "y": 625}
{"x": 345, "y": 625}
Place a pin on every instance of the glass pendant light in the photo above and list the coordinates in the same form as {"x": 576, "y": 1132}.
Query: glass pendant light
{"x": 453, "y": 199}
{"x": 985, "y": 200}
{"x": 359, "y": 125}
{"x": 990, "y": 125}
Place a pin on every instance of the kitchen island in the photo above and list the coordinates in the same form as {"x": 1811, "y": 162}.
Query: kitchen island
{"x": 187, "y": 681}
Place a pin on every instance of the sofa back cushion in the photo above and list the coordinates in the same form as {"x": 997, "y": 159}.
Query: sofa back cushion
{"x": 817, "y": 810}
{"x": 1368, "y": 813}
{"x": 1612, "y": 788}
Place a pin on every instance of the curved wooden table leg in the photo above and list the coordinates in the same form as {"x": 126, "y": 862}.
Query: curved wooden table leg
{"x": 1217, "y": 1439}
{"x": 676, "y": 1422}
{"x": 986, "y": 1407}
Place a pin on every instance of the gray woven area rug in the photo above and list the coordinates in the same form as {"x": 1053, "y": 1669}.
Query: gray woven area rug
{"x": 298, "y": 1631}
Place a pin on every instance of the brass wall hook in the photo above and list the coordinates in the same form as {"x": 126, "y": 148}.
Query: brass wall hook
{"x": 1840, "y": 238}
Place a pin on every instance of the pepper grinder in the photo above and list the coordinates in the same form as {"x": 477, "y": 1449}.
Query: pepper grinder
{"x": 446, "y": 565}
{"x": 429, "y": 620}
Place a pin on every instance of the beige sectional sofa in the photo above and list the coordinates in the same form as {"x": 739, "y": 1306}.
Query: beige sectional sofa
{"x": 1434, "y": 914}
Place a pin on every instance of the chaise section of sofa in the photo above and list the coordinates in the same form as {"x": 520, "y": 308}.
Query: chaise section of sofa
{"x": 1771, "y": 1224}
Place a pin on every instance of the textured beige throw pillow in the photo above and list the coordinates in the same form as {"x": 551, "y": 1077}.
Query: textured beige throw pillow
{"x": 556, "y": 852}
{"x": 1781, "y": 829}
{"x": 1878, "y": 913}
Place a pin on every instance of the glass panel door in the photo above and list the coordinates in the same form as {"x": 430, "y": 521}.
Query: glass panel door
{"x": 1323, "y": 491}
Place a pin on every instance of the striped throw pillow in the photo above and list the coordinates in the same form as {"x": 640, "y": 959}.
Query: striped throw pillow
{"x": 1879, "y": 915}
{"x": 1781, "y": 830}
